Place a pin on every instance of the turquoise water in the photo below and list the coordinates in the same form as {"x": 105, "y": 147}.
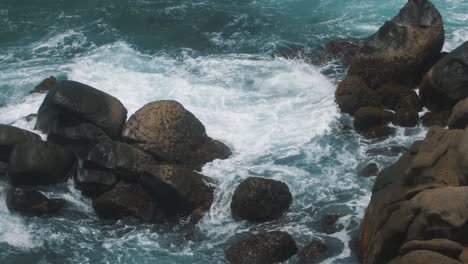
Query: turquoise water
{"x": 277, "y": 115}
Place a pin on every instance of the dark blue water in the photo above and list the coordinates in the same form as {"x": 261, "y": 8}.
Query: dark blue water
{"x": 278, "y": 116}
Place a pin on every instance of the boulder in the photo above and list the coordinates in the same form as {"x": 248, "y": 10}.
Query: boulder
{"x": 368, "y": 117}
{"x": 178, "y": 189}
{"x": 352, "y": 93}
{"x": 435, "y": 119}
{"x": 424, "y": 257}
{"x": 69, "y": 104}
{"x": 395, "y": 96}
{"x": 94, "y": 182}
{"x": 446, "y": 82}
{"x": 372, "y": 169}
{"x": 127, "y": 201}
{"x": 377, "y": 132}
{"x": 263, "y": 248}
{"x": 39, "y": 163}
{"x": 260, "y": 200}
{"x": 459, "y": 117}
{"x": 45, "y": 85}
{"x": 169, "y": 132}
{"x": 403, "y": 49}
{"x": 328, "y": 223}
{"x": 10, "y": 136}
{"x": 32, "y": 202}
{"x": 315, "y": 252}
{"x": 406, "y": 117}
{"x": 444, "y": 247}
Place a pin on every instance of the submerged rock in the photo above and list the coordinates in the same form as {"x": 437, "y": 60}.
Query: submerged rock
{"x": 260, "y": 200}
{"x": 315, "y": 252}
{"x": 10, "y": 136}
{"x": 45, "y": 85}
{"x": 263, "y": 248}
{"x": 32, "y": 202}
{"x": 328, "y": 224}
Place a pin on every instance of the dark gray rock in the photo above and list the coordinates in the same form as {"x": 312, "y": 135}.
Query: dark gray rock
{"x": 10, "y": 136}
{"x": 32, "y": 202}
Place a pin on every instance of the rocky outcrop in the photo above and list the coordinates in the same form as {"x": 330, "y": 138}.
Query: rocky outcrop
{"x": 32, "y": 202}
{"x": 445, "y": 83}
{"x": 10, "y": 136}
{"x": 45, "y": 86}
{"x": 39, "y": 163}
{"x": 260, "y": 200}
{"x": 459, "y": 117}
{"x": 263, "y": 248}
{"x": 172, "y": 134}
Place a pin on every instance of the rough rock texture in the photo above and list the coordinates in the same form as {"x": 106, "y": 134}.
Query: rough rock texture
{"x": 39, "y": 163}
{"x": 263, "y": 248}
{"x": 260, "y": 200}
{"x": 459, "y": 117}
{"x": 403, "y": 49}
{"x": 315, "y": 252}
{"x": 11, "y": 136}
{"x": 178, "y": 189}
{"x": 372, "y": 169}
{"x": 424, "y": 257}
{"x": 94, "y": 182}
{"x": 444, "y": 247}
{"x": 45, "y": 85}
{"x": 32, "y": 202}
{"x": 171, "y": 133}
{"x": 70, "y": 104}
{"x": 127, "y": 201}
{"x": 446, "y": 82}
{"x": 435, "y": 119}
{"x": 352, "y": 93}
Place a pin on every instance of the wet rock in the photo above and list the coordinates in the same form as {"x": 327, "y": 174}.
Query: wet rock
{"x": 39, "y": 163}
{"x": 424, "y": 257}
{"x": 70, "y": 104}
{"x": 372, "y": 169}
{"x": 32, "y": 202}
{"x": 403, "y": 49}
{"x": 405, "y": 117}
{"x": 352, "y": 93}
{"x": 459, "y": 117}
{"x": 94, "y": 182}
{"x": 445, "y": 83}
{"x": 10, "y": 136}
{"x": 197, "y": 216}
{"x": 127, "y": 201}
{"x": 178, "y": 189}
{"x": 3, "y": 168}
{"x": 377, "y": 132}
{"x": 45, "y": 85}
{"x": 328, "y": 223}
{"x": 263, "y": 248}
{"x": 260, "y": 200}
{"x": 368, "y": 117}
{"x": 169, "y": 132}
{"x": 395, "y": 96}
{"x": 391, "y": 151}
{"x": 444, "y": 247}
{"x": 435, "y": 119}
{"x": 315, "y": 252}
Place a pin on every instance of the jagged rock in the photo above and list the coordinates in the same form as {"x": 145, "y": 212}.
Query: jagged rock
{"x": 459, "y": 117}
{"x": 315, "y": 252}
{"x": 328, "y": 223}
{"x": 169, "y": 132}
{"x": 45, "y": 85}
{"x": 444, "y": 247}
{"x": 435, "y": 119}
{"x": 263, "y": 248}
{"x": 94, "y": 182}
{"x": 32, "y": 202}
{"x": 70, "y": 104}
{"x": 127, "y": 201}
{"x": 445, "y": 83}
{"x": 260, "y": 200}
{"x": 352, "y": 93}
{"x": 39, "y": 163}
{"x": 403, "y": 49}
{"x": 372, "y": 169}
{"x": 406, "y": 117}
{"x": 368, "y": 117}
{"x": 10, "y": 136}
{"x": 179, "y": 190}
{"x": 424, "y": 257}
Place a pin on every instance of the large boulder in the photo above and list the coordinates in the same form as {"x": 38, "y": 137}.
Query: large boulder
{"x": 371, "y": 122}
{"x": 70, "y": 104}
{"x": 424, "y": 257}
{"x": 459, "y": 117}
{"x": 445, "y": 247}
{"x": 396, "y": 96}
{"x": 260, "y": 200}
{"x": 171, "y": 133}
{"x": 32, "y": 202}
{"x": 178, "y": 189}
{"x": 11, "y": 136}
{"x": 263, "y": 248}
{"x": 127, "y": 201}
{"x": 352, "y": 93}
{"x": 39, "y": 163}
{"x": 446, "y": 82}
{"x": 403, "y": 49}
{"x": 94, "y": 182}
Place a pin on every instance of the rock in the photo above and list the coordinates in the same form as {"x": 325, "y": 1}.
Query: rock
{"x": 70, "y": 104}
{"x": 377, "y": 132}
{"x": 11, "y": 136}
{"x": 45, "y": 85}
{"x": 459, "y": 117}
{"x": 424, "y": 257}
{"x": 352, "y": 93}
{"x": 403, "y": 49}
{"x": 445, "y": 83}
{"x": 169, "y": 132}
{"x": 263, "y": 248}
{"x": 179, "y": 190}
{"x": 94, "y": 182}
{"x": 444, "y": 247}
{"x": 260, "y": 200}
{"x": 405, "y": 117}
{"x": 3, "y": 168}
{"x": 435, "y": 119}
{"x": 395, "y": 96}
{"x": 197, "y": 216}
{"x": 414, "y": 149}
{"x": 391, "y": 151}
{"x": 328, "y": 223}
{"x": 123, "y": 160}
{"x": 368, "y": 117}
{"x": 315, "y": 252}
{"x": 372, "y": 169}
{"x": 39, "y": 163}
{"x": 32, "y": 202}
{"x": 127, "y": 201}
